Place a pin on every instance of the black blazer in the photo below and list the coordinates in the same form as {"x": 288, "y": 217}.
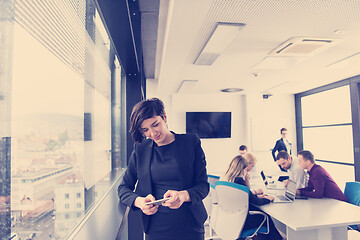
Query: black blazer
{"x": 192, "y": 174}
{"x": 279, "y": 146}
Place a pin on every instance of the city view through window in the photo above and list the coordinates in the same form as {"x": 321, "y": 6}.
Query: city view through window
{"x": 55, "y": 115}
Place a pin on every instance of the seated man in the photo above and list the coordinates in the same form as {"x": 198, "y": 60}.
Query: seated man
{"x": 243, "y": 149}
{"x": 296, "y": 173}
{"x": 320, "y": 182}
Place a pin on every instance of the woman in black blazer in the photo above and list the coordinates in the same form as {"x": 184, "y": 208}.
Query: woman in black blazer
{"x": 164, "y": 164}
{"x": 236, "y": 173}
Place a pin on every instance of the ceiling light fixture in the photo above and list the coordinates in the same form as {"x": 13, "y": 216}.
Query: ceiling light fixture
{"x": 231, "y": 90}
{"x": 186, "y": 86}
{"x": 220, "y": 38}
{"x": 303, "y": 46}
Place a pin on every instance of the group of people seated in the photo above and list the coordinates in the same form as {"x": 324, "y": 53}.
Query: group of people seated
{"x": 311, "y": 180}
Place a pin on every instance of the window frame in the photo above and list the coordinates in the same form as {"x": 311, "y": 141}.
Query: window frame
{"x": 354, "y": 86}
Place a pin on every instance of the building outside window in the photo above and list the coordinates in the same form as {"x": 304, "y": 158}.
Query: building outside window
{"x": 55, "y": 90}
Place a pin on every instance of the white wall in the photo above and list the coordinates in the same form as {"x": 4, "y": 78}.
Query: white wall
{"x": 218, "y": 152}
{"x": 265, "y": 118}
{"x": 256, "y": 122}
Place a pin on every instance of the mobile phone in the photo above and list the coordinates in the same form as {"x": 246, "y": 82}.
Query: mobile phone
{"x": 157, "y": 202}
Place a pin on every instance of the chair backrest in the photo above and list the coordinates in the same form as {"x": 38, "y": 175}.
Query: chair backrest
{"x": 233, "y": 205}
{"x": 212, "y": 179}
{"x": 352, "y": 192}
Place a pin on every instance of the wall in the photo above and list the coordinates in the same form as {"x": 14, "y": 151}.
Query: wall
{"x": 219, "y": 152}
{"x": 256, "y": 122}
{"x": 265, "y": 118}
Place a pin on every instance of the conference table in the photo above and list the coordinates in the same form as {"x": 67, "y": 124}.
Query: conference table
{"x": 314, "y": 219}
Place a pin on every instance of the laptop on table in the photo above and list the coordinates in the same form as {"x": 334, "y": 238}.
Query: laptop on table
{"x": 270, "y": 185}
{"x": 289, "y": 195}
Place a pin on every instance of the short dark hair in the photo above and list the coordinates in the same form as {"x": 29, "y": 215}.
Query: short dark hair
{"x": 283, "y": 129}
{"x": 242, "y": 148}
{"x": 307, "y": 155}
{"x": 282, "y": 154}
{"x": 144, "y": 110}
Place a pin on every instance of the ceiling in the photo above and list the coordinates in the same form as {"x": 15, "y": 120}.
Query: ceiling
{"x": 175, "y": 31}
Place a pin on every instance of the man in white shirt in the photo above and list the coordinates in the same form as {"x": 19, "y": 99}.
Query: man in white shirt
{"x": 296, "y": 173}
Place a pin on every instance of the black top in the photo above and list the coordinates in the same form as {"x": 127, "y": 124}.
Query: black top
{"x": 164, "y": 171}
{"x": 165, "y": 176}
{"x": 253, "y": 199}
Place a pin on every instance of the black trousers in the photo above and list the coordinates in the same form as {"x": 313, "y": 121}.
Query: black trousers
{"x": 174, "y": 225}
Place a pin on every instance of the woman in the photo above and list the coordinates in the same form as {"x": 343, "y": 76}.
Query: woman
{"x": 165, "y": 164}
{"x": 235, "y": 173}
{"x": 251, "y": 160}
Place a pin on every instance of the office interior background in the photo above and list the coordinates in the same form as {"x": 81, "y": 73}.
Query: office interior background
{"x": 71, "y": 71}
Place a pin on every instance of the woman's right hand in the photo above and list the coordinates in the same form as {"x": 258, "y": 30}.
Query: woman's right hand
{"x": 147, "y": 209}
{"x": 271, "y": 198}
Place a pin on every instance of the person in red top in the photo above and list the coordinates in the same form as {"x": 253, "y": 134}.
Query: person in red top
{"x": 320, "y": 182}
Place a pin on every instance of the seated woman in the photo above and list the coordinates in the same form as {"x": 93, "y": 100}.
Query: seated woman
{"x": 235, "y": 173}
{"x": 251, "y": 159}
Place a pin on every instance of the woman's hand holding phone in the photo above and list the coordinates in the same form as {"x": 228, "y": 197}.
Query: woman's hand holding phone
{"x": 148, "y": 209}
{"x": 177, "y": 198}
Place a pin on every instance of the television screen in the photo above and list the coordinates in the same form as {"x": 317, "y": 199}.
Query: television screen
{"x": 209, "y": 124}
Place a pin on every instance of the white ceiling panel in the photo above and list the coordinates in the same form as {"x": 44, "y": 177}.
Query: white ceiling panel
{"x": 269, "y": 23}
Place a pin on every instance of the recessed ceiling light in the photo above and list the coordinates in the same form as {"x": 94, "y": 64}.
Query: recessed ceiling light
{"x": 223, "y": 34}
{"x": 231, "y": 90}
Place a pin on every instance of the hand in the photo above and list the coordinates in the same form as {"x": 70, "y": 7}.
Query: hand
{"x": 261, "y": 195}
{"x": 259, "y": 191}
{"x": 147, "y": 209}
{"x": 177, "y": 198}
{"x": 286, "y": 182}
{"x": 271, "y": 198}
{"x": 246, "y": 173}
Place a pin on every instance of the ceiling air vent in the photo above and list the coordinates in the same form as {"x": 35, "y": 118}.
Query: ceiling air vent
{"x": 303, "y": 46}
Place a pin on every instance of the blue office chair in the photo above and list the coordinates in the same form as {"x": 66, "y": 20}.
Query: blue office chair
{"x": 352, "y": 194}
{"x": 233, "y": 206}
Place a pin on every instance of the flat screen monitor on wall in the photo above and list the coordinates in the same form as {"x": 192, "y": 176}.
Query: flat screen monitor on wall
{"x": 209, "y": 124}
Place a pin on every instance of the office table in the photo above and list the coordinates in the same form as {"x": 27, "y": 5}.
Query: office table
{"x": 314, "y": 219}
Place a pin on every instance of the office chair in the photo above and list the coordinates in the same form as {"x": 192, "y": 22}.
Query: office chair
{"x": 212, "y": 210}
{"x": 208, "y": 202}
{"x": 233, "y": 205}
{"x": 212, "y": 179}
{"x": 352, "y": 194}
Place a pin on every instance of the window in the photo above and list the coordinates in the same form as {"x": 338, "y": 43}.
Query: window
{"x": 57, "y": 71}
{"x": 327, "y": 128}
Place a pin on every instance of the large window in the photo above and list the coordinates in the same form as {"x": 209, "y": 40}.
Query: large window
{"x": 55, "y": 115}
{"x": 326, "y": 127}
